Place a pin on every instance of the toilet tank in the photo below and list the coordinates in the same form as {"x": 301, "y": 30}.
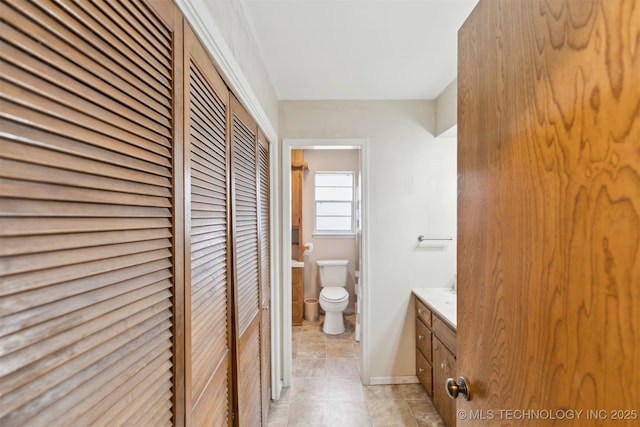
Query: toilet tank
{"x": 333, "y": 272}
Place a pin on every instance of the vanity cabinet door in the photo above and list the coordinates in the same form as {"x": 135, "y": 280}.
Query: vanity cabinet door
{"x": 297, "y": 297}
{"x": 444, "y": 366}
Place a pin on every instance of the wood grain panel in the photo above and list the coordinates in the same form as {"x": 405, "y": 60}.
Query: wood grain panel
{"x": 549, "y": 206}
{"x": 61, "y": 55}
{"x": 248, "y": 376}
{"x": 87, "y": 217}
{"x": 245, "y": 216}
{"x": 212, "y": 409}
{"x": 55, "y": 150}
{"x": 246, "y": 266}
{"x": 209, "y": 305}
{"x": 297, "y": 296}
{"x": 444, "y": 367}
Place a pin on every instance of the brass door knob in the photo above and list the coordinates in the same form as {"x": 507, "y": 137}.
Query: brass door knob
{"x": 460, "y": 387}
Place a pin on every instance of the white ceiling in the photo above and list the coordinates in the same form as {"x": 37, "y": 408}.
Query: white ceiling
{"x": 358, "y": 49}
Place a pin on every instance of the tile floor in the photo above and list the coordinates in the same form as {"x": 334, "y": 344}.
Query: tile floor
{"x": 320, "y": 360}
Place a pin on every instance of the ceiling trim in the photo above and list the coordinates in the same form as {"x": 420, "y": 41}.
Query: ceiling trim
{"x": 205, "y": 26}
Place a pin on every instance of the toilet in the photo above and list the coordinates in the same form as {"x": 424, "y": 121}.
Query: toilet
{"x": 334, "y": 297}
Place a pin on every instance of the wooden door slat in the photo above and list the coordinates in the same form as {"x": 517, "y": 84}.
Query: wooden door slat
{"x": 35, "y": 146}
{"x": 33, "y": 226}
{"x": 27, "y": 384}
{"x": 25, "y": 244}
{"x": 96, "y": 111}
{"x": 65, "y": 56}
{"x": 44, "y": 260}
{"x": 39, "y": 191}
{"x": 56, "y": 308}
{"x": 38, "y": 279}
{"x": 86, "y": 86}
{"x": 48, "y": 110}
{"x": 40, "y": 173}
{"x": 15, "y": 359}
{"x": 76, "y": 34}
{"x": 30, "y": 299}
{"x": 42, "y": 121}
{"x": 135, "y": 36}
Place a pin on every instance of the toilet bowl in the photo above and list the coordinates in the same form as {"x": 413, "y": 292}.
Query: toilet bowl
{"x": 334, "y": 301}
{"x": 333, "y": 298}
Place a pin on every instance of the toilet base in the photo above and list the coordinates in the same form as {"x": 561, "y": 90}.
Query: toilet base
{"x": 333, "y": 323}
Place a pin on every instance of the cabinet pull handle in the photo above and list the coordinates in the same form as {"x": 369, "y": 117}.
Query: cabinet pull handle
{"x": 420, "y": 370}
{"x": 420, "y": 337}
{"x": 420, "y": 311}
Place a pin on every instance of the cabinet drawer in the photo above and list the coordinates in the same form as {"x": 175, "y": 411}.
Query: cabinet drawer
{"x": 423, "y": 313}
{"x": 423, "y": 339}
{"x": 445, "y": 334}
{"x": 424, "y": 372}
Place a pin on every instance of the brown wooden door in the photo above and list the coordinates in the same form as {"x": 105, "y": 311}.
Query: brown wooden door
{"x": 264, "y": 203}
{"x": 87, "y": 217}
{"x": 549, "y": 212}
{"x": 247, "y": 307}
{"x": 208, "y": 299}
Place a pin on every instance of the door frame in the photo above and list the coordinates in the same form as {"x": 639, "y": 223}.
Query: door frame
{"x": 283, "y": 324}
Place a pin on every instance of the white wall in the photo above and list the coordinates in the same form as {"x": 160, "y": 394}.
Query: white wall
{"x": 411, "y": 191}
{"x": 447, "y": 108}
{"x": 326, "y": 247}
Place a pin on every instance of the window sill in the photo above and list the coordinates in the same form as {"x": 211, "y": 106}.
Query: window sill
{"x": 321, "y": 235}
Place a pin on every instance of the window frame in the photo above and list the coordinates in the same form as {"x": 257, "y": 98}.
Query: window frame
{"x": 351, "y": 201}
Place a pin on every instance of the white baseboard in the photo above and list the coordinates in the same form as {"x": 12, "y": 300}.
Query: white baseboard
{"x": 408, "y": 379}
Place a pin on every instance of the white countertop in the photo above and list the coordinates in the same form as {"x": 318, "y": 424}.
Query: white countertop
{"x": 440, "y": 300}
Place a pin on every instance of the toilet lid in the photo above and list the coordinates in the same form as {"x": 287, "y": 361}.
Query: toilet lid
{"x": 334, "y": 293}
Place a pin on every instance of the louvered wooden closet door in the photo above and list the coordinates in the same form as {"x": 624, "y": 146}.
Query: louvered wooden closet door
{"x": 86, "y": 220}
{"x": 209, "y": 316}
{"x": 265, "y": 269}
{"x": 246, "y": 274}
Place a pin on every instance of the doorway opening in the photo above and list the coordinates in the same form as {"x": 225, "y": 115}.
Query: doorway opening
{"x": 303, "y": 245}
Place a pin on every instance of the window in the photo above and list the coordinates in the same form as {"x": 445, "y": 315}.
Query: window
{"x": 334, "y": 202}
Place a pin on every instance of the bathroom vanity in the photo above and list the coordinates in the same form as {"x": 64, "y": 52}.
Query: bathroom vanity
{"x": 435, "y": 310}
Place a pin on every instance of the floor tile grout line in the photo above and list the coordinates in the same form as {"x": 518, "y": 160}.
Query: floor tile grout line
{"x": 312, "y": 334}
